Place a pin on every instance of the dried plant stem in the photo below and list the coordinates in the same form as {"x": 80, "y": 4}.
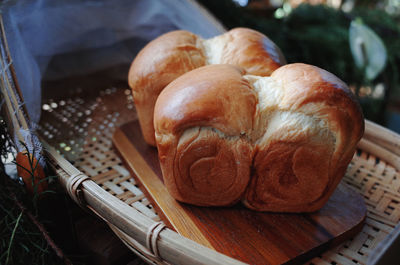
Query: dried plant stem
{"x": 10, "y": 110}
{"x": 42, "y": 230}
{"x": 20, "y": 115}
{"x": 11, "y": 67}
{"x": 9, "y": 92}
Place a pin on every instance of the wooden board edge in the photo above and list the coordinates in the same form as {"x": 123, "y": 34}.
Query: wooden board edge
{"x": 334, "y": 242}
{"x": 184, "y": 226}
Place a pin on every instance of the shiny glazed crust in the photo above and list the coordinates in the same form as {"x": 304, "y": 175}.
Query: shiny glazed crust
{"x": 280, "y": 143}
{"x": 175, "y": 53}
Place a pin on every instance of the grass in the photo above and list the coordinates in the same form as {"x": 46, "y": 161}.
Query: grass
{"x": 21, "y": 240}
{"x": 12, "y": 238}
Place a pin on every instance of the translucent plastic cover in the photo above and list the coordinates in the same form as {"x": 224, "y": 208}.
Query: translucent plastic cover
{"x": 51, "y": 39}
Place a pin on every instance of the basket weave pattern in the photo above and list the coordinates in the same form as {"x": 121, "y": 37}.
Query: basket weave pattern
{"x": 81, "y": 129}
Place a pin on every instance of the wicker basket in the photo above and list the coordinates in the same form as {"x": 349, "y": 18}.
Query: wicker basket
{"x": 76, "y": 130}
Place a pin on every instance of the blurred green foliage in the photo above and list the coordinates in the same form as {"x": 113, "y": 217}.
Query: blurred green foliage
{"x": 319, "y": 35}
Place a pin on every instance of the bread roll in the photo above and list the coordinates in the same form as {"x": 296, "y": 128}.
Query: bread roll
{"x": 175, "y": 53}
{"x": 280, "y": 143}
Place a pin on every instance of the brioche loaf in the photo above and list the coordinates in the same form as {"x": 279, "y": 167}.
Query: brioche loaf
{"x": 280, "y": 143}
{"x": 175, "y": 53}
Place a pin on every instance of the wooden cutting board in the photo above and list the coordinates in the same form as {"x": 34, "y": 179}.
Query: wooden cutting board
{"x": 249, "y": 236}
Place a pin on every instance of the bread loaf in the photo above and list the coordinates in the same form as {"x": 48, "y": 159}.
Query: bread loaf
{"x": 175, "y": 53}
{"x": 280, "y": 143}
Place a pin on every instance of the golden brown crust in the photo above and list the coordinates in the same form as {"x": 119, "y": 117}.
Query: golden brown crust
{"x": 285, "y": 179}
{"x": 208, "y": 128}
{"x": 204, "y": 165}
{"x": 215, "y": 96}
{"x": 160, "y": 62}
{"x": 198, "y": 161}
{"x": 252, "y": 51}
{"x": 175, "y": 53}
{"x": 318, "y": 93}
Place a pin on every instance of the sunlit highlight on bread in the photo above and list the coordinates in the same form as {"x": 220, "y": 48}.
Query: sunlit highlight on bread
{"x": 280, "y": 143}
{"x": 175, "y": 53}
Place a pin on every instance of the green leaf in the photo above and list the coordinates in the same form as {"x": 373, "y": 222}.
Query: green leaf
{"x": 367, "y": 48}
